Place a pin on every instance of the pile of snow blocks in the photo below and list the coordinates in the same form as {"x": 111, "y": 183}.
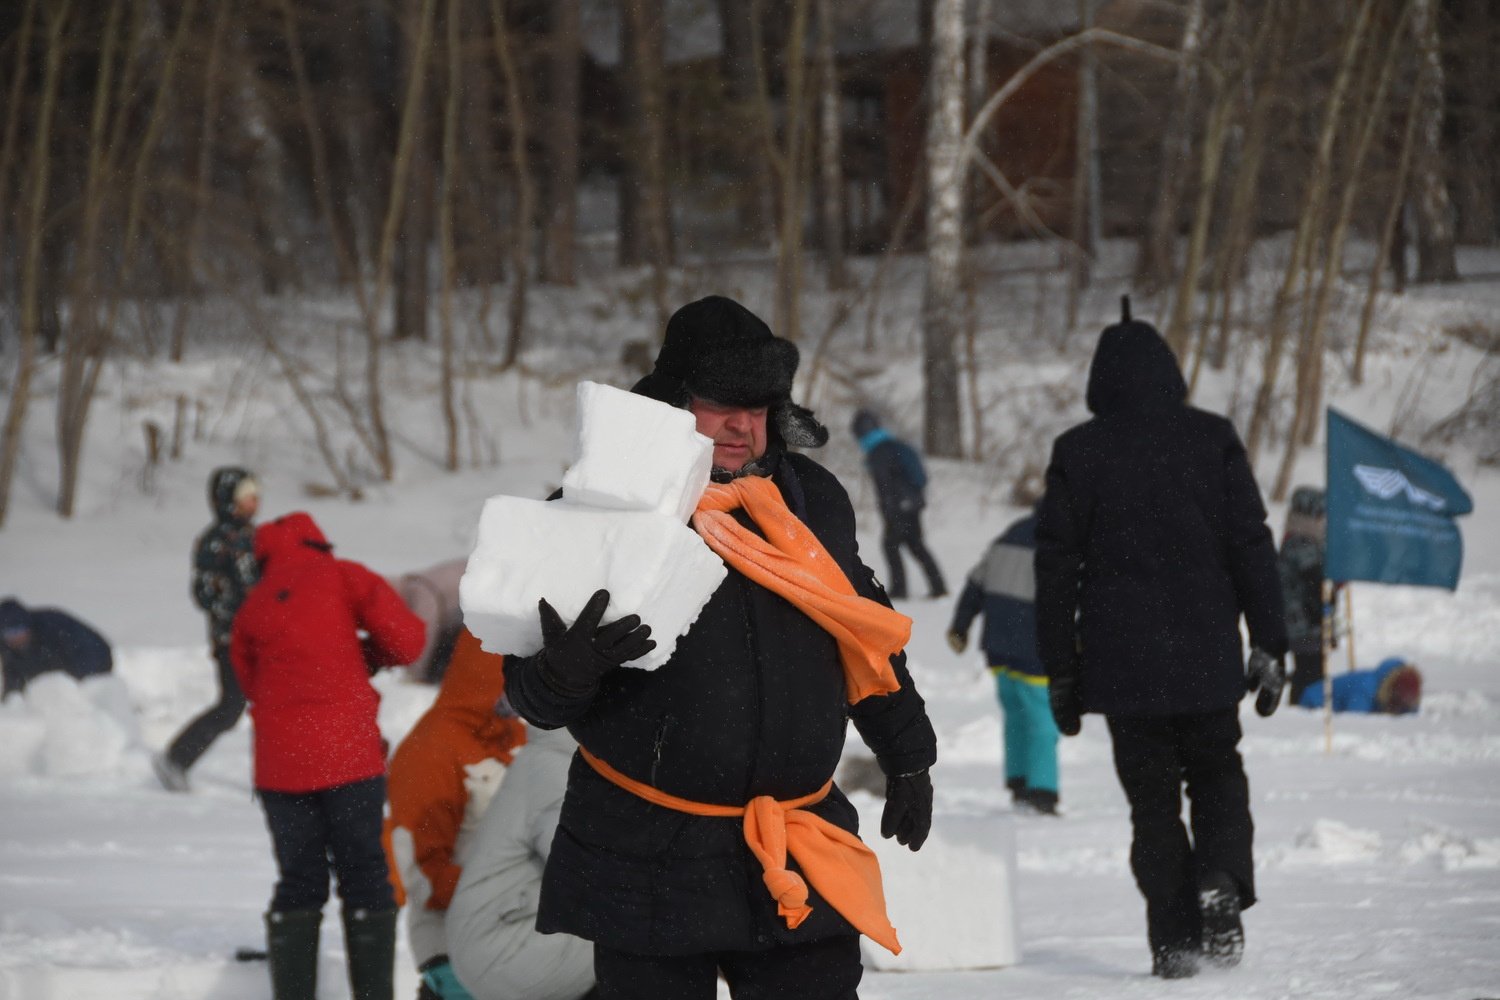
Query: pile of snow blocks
{"x": 953, "y": 905}
{"x": 620, "y": 525}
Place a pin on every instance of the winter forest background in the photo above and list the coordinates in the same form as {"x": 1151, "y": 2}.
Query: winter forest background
{"x": 368, "y": 249}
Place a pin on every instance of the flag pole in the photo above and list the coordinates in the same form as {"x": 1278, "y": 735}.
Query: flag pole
{"x": 1327, "y": 677}
{"x": 1349, "y": 623}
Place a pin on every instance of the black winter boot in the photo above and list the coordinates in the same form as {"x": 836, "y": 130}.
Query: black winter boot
{"x": 292, "y": 953}
{"x": 1223, "y": 933}
{"x": 370, "y": 940}
{"x": 1174, "y": 963}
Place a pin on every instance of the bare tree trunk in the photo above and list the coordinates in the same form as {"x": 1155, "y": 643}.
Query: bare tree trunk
{"x": 1215, "y": 138}
{"x": 1387, "y": 232}
{"x": 562, "y": 136}
{"x": 738, "y": 60}
{"x": 411, "y": 277}
{"x": 941, "y": 310}
{"x": 454, "y": 54}
{"x": 41, "y": 165}
{"x": 830, "y": 128}
{"x": 1154, "y": 266}
{"x": 22, "y": 40}
{"x": 791, "y": 201}
{"x": 1477, "y": 85}
{"x": 978, "y": 87}
{"x": 1437, "y": 253}
{"x": 1310, "y": 362}
{"x": 646, "y": 19}
{"x": 521, "y": 237}
{"x": 1085, "y": 172}
{"x": 1311, "y": 216}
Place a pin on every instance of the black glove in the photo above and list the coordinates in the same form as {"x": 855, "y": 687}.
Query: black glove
{"x": 573, "y": 659}
{"x": 1067, "y": 704}
{"x": 1267, "y": 674}
{"x": 908, "y": 809}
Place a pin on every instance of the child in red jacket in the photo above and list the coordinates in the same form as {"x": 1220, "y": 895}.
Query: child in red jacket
{"x": 319, "y": 762}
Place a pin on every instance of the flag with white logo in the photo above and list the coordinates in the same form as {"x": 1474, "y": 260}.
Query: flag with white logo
{"x": 1390, "y": 511}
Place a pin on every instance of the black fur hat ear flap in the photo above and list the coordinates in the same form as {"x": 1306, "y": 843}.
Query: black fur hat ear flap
{"x": 797, "y": 425}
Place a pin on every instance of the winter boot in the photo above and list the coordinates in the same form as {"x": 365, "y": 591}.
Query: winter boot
{"x": 1041, "y": 801}
{"x": 1174, "y": 963}
{"x": 370, "y": 940}
{"x": 292, "y": 953}
{"x": 1223, "y": 934}
{"x": 173, "y": 776}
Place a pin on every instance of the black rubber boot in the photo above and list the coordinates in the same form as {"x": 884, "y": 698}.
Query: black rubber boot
{"x": 1223, "y": 933}
{"x": 370, "y": 939}
{"x": 292, "y": 953}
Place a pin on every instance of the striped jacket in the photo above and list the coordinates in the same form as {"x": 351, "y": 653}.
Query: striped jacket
{"x": 1003, "y": 587}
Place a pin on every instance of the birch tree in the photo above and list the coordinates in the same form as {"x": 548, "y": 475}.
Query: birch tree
{"x": 1437, "y": 254}
{"x": 941, "y": 303}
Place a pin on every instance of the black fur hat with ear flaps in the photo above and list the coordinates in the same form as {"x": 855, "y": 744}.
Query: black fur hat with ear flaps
{"x": 717, "y": 349}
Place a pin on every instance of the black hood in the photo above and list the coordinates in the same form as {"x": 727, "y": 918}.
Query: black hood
{"x": 1133, "y": 369}
{"x": 221, "y": 486}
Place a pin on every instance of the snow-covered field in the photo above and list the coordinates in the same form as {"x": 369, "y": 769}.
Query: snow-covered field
{"x": 1378, "y": 863}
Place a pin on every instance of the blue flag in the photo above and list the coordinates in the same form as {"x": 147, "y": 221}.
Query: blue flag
{"x": 1390, "y": 511}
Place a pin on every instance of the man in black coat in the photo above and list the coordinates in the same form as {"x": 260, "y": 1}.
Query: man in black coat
{"x": 752, "y": 703}
{"x": 901, "y": 490}
{"x": 1151, "y": 542}
{"x": 224, "y": 570}
{"x": 34, "y": 641}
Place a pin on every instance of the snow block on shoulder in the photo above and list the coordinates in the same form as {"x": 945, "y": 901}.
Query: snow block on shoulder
{"x": 952, "y": 903}
{"x": 527, "y": 550}
{"x": 636, "y": 453}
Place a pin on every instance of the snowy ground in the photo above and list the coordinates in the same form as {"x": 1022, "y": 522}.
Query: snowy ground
{"x": 1378, "y": 863}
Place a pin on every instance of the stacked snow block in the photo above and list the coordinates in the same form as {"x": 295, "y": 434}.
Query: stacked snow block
{"x": 954, "y": 904}
{"x": 621, "y": 525}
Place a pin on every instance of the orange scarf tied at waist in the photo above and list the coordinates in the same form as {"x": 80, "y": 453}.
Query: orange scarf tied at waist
{"x": 843, "y": 870}
{"x": 791, "y": 562}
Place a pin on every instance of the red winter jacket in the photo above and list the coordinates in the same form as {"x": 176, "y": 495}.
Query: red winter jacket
{"x": 303, "y": 666}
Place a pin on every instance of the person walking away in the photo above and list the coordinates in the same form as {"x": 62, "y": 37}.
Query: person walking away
{"x": 319, "y": 761}
{"x": 440, "y": 779}
{"x": 694, "y": 781}
{"x": 1300, "y": 564}
{"x": 1151, "y": 543}
{"x": 900, "y": 489}
{"x": 34, "y": 641}
{"x": 223, "y": 572}
{"x": 493, "y": 942}
{"x": 1002, "y": 587}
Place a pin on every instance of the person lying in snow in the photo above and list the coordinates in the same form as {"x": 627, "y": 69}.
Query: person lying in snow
{"x": 1394, "y": 687}
{"x": 34, "y": 641}
{"x": 439, "y": 781}
{"x": 318, "y": 757}
{"x": 669, "y": 855}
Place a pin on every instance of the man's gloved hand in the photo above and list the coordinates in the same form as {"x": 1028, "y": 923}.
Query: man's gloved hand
{"x": 908, "y": 809}
{"x": 440, "y": 979}
{"x": 957, "y": 641}
{"x": 1067, "y": 704}
{"x": 574, "y": 658}
{"x": 1267, "y": 674}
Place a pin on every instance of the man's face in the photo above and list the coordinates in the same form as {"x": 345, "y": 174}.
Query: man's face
{"x": 738, "y": 432}
{"x": 246, "y": 499}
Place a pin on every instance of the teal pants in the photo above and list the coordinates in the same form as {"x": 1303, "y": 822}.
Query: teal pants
{"x": 1030, "y": 733}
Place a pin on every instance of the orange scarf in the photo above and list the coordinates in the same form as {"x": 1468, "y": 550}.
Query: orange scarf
{"x": 838, "y": 865}
{"x": 791, "y": 562}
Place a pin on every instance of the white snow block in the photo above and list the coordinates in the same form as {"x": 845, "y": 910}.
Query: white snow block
{"x": 652, "y": 565}
{"x": 636, "y": 453}
{"x": 953, "y": 903}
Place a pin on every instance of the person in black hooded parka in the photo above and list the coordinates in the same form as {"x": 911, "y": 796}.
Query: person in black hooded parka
{"x": 1151, "y": 542}
{"x": 752, "y": 702}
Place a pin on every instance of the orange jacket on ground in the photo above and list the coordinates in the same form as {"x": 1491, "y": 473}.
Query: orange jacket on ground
{"x": 425, "y": 780}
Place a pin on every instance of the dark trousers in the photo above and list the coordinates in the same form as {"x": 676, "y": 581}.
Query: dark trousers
{"x": 905, "y": 529}
{"x": 1154, "y": 757}
{"x": 829, "y": 969}
{"x": 1307, "y": 670}
{"x": 336, "y": 828}
{"x": 197, "y": 736}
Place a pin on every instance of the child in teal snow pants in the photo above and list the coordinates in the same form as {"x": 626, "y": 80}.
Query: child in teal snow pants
{"x": 1002, "y": 588}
